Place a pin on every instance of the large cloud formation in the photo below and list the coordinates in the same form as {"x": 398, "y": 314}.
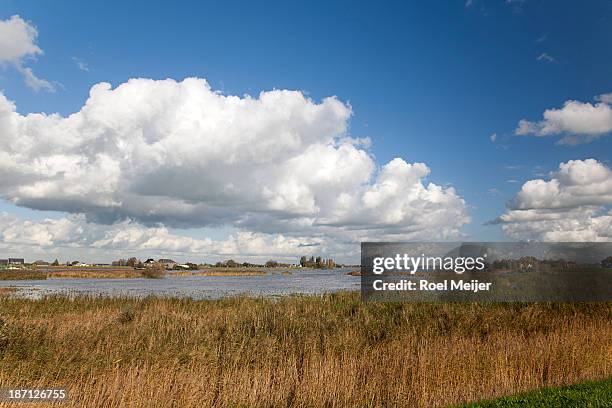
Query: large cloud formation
{"x": 17, "y": 43}
{"x": 178, "y": 154}
{"x": 574, "y": 205}
{"x": 579, "y": 122}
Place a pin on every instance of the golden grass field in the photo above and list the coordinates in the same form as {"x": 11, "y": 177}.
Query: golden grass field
{"x": 220, "y": 272}
{"x": 108, "y": 273}
{"x": 70, "y": 273}
{"x": 297, "y": 351}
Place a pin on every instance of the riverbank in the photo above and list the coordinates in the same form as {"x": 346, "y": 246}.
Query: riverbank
{"x": 297, "y": 350}
{"x": 121, "y": 273}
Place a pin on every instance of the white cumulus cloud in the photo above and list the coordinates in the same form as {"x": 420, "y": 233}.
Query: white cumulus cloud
{"x": 17, "y": 43}
{"x": 179, "y": 154}
{"x": 573, "y": 205}
{"x": 578, "y": 122}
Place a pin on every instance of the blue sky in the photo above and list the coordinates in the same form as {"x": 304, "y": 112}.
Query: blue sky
{"x": 429, "y": 82}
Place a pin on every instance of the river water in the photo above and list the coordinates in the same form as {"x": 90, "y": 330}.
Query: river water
{"x": 274, "y": 283}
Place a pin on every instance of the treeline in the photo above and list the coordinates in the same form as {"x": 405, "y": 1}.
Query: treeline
{"x": 317, "y": 262}
{"x": 533, "y": 263}
{"x": 269, "y": 264}
{"x": 305, "y": 262}
{"x": 132, "y": 262}
{"x": 230, "y": 263}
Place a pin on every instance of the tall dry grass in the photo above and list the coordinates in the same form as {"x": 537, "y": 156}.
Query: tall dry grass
{"x": 220, "y": 272}
{"x": 21, "y": 274}
{"x": 82, "y": 273}
{"x": 298, "y": 351}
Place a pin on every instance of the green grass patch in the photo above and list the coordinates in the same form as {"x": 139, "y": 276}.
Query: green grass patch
{"x": 591, "y": 394}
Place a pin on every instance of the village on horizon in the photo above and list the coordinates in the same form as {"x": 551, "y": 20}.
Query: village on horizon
{"x": 167, "y": 263}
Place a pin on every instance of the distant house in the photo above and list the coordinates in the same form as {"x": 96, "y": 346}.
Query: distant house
{"x": 16, "y": 261}
{"x": 168, "y": 263}
{"x": 41, "y": 263}
{"x": 149, "y": 262}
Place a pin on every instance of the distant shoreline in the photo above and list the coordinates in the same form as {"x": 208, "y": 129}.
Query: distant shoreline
{"x": 126, "y": 272}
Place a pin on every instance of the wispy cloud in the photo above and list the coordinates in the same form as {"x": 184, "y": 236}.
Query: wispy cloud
{"x": 517, "y": 5}
{"x": 546, "y": 57}
{"x": 80, "y": 64}
{"x": 33, "y": 82}
{"x": 514, "y": 167}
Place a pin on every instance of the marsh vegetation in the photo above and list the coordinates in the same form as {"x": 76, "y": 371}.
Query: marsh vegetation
{"x": 332, "y": 350}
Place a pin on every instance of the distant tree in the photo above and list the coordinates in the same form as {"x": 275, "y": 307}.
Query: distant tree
{"x": 55, "y": 263}
{"x": 527, "y": 263}
{"x": 271, "y": 264}
{"x": 120, "y": 262}
{"x": 303, "y": 261}
{"x": 319, "y": 262}
{"x": 132, "y": 262}
{"x": 154, "y": 271}
{"x": 231, "y": 263}
{"x": 607, "y": 263}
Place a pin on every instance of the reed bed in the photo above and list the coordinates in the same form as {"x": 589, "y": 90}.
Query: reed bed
{"x": 7, "y": 290}
{"x": 122, "y": 273}
{"x": 21, "y": 274}
{"x": 220, "y": 272}
{"x": 297, "y": 351}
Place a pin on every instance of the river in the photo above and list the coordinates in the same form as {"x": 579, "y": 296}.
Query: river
{"x": 274, "y": 283}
